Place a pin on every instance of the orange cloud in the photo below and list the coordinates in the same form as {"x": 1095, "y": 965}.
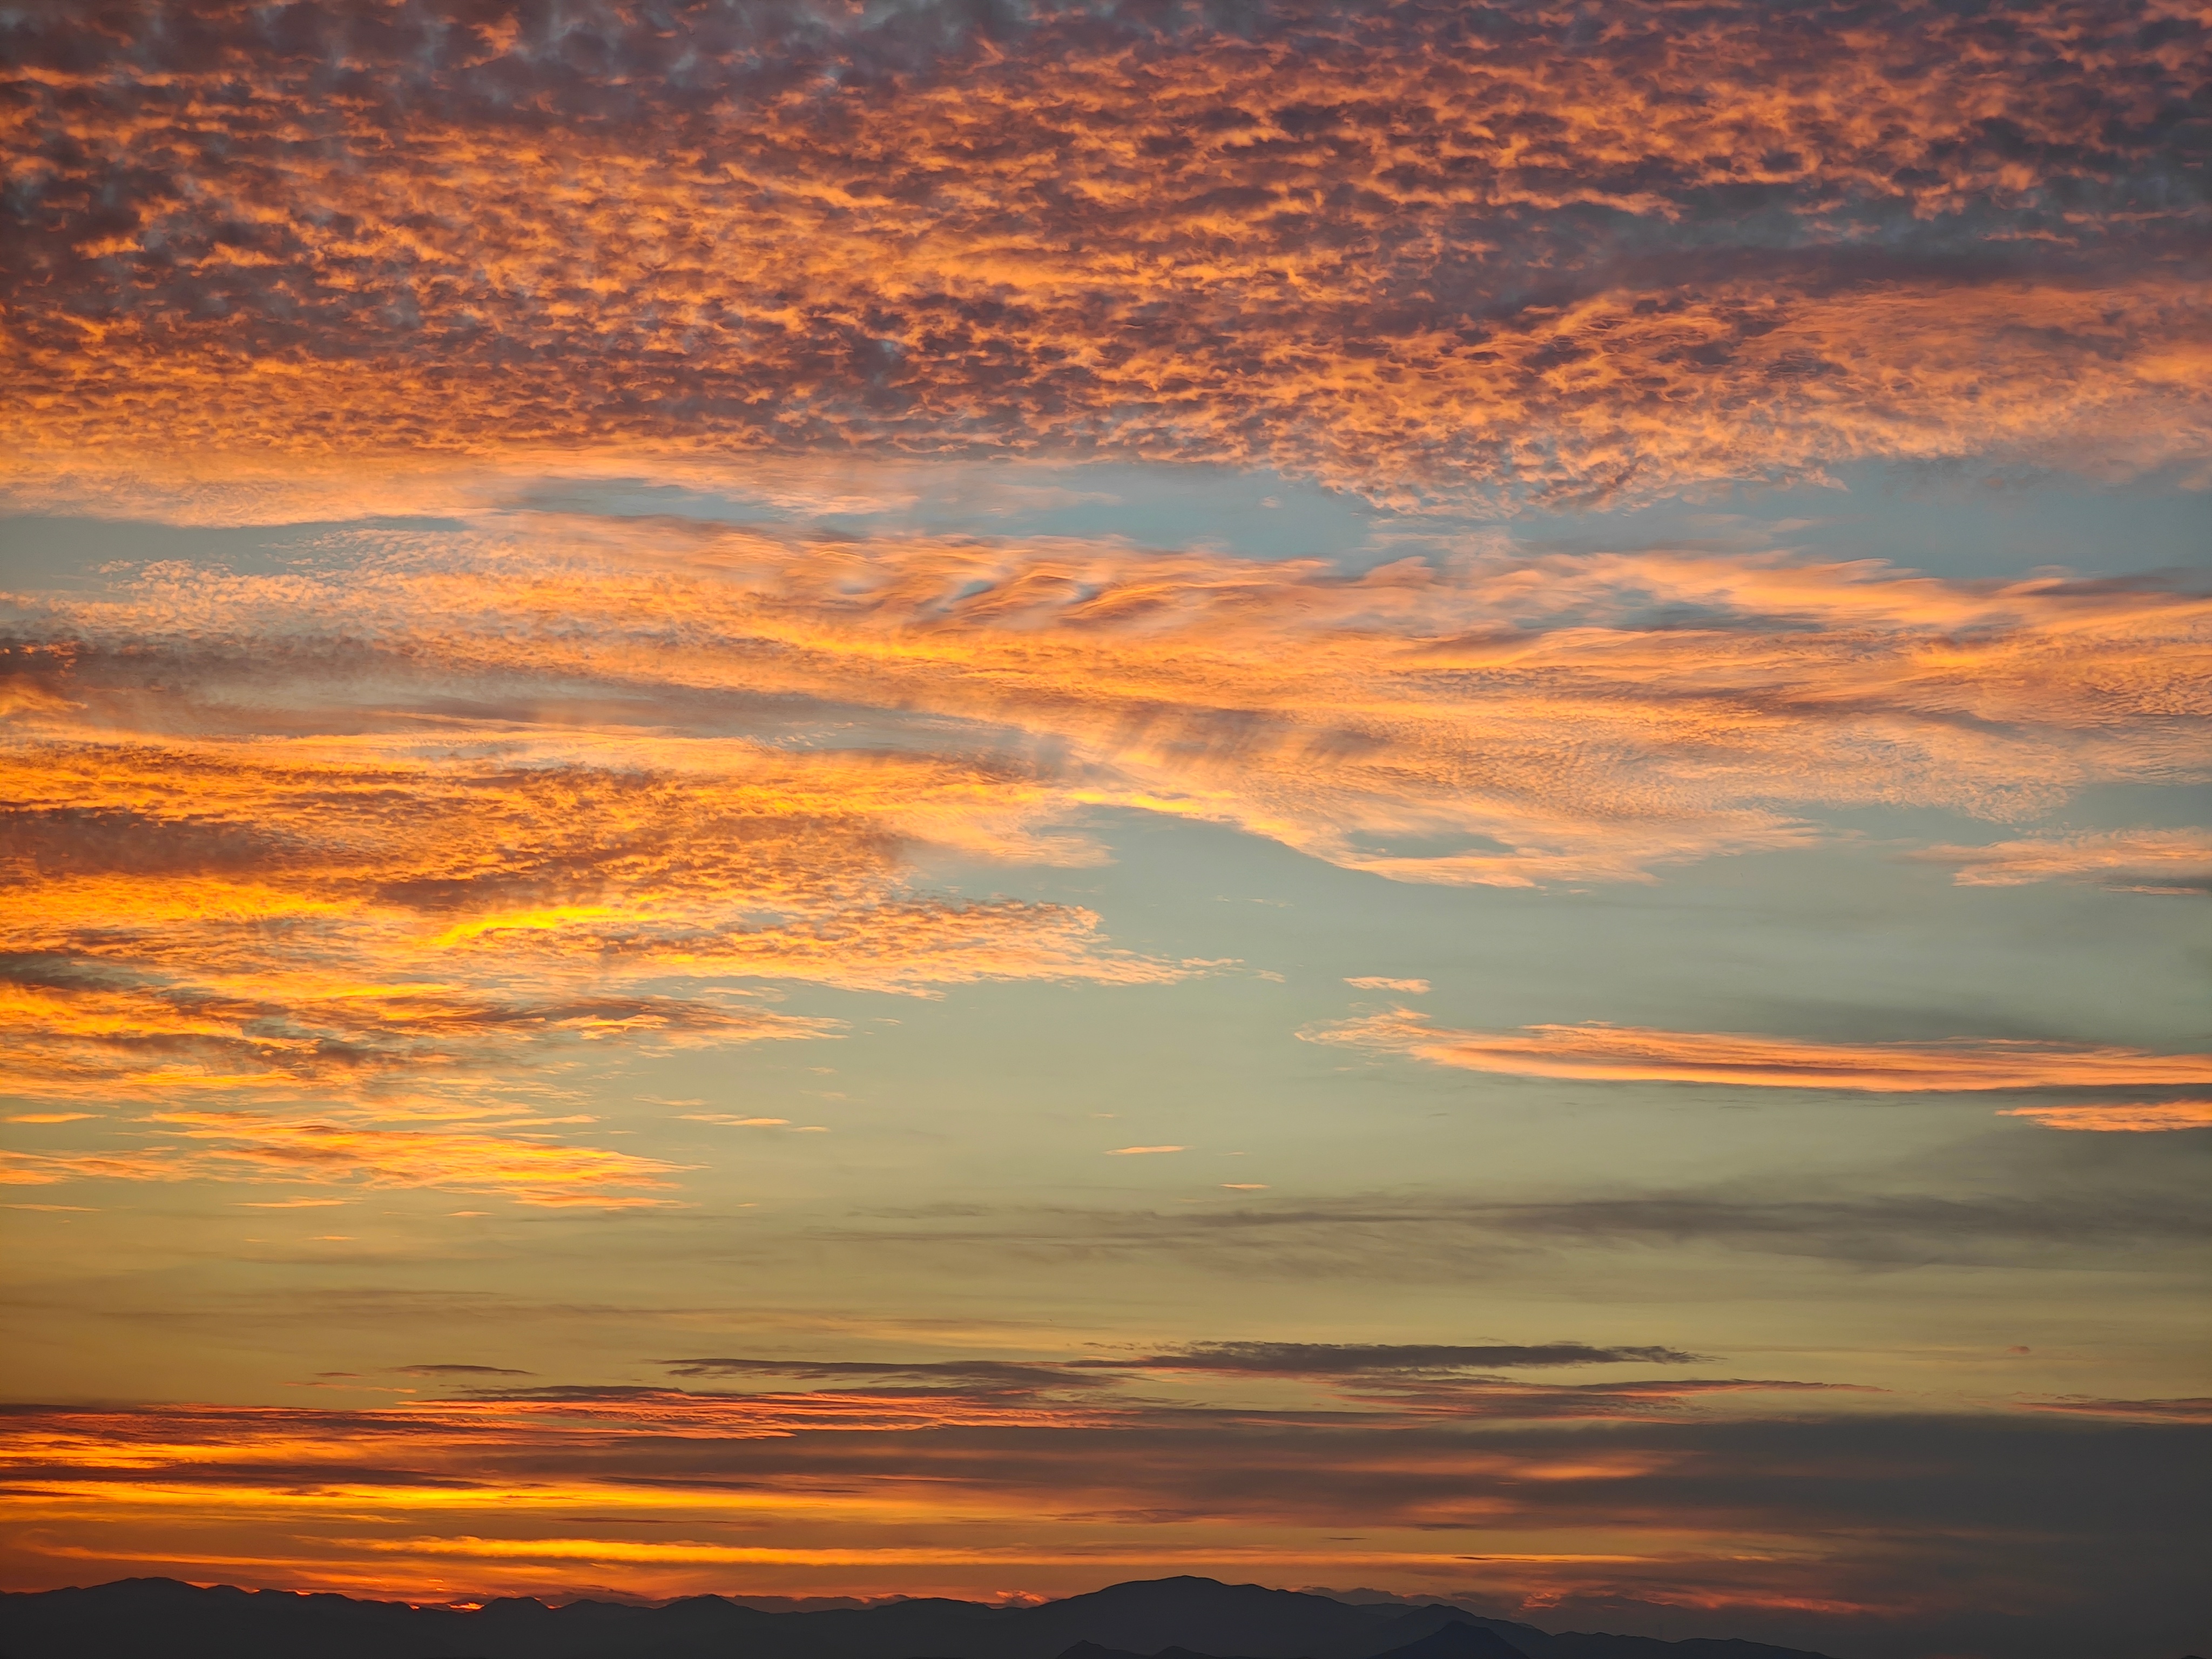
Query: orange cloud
{"x": 303, "y": 951}
{"x": 292, "y": 882}
{"x": 1371, "y": 244}
{"x": 2133, "y": 1117}
{"x": 256, "y": 1146}
{"x": 2197, "y": 1409}
{"x": 1343, "y": 716}
{"x": 2178, "y": 862}
{"x": 1626, "y": 1054}
{"x": 1662, "y": 1488}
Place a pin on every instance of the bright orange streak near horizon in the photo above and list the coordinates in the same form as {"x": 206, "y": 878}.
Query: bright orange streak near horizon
{"x": 341, "y": 1499}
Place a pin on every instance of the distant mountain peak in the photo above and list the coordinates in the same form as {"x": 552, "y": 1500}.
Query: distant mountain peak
{"x": 1178, "y": 1617}
{"x": 1457, "y": 1640}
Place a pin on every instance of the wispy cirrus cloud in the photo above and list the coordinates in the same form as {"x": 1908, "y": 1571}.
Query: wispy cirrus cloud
{"x": 1347, "y": 716}
{"x": 993, "y": 1376}
{"x": 1442, "y": 1236}
{"x": 331, "y": 851}
{"x": 1356, "y": 1358}
{"x": 1412, "y": 1365}
{"x": 2175, "y": 861}
{"x": 1623, "y": 1053}
{"x": 2120, "y": 1117}
{"x": 2196, "y": 1409}
{"x": 237, "y": 1145}
{"x": 1399, "y": 249}
{"x": 309, "y": 957}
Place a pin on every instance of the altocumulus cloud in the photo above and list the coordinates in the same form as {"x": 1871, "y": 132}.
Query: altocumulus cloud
{"x": 1408, "y": 250}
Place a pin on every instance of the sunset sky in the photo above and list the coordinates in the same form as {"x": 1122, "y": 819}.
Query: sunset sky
{"x": 964, "y": 797}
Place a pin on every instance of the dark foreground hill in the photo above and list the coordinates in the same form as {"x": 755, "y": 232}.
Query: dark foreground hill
{"x": 160, "y": 1619}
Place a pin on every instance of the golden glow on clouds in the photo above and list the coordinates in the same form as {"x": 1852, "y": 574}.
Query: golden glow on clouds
{"x": 835, "y": 1486}
{"x": 306, "y": 918}
{"x": 1378, "y": 246}
{"x": 2178, "y": 862}
{"x": 1531, "y": 704}
{"x": 1621, "y": 1053}
{"x": 307, "y": 957}
{"x": 1616, "y": 1054}
{"x": 2136, "y": 1117}
{"x": 373, "y": 870}
{"x": 1649, "y": 1488}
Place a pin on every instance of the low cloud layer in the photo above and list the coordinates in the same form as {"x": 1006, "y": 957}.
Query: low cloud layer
{"x": 1444, "y": 1236}
{"x": 1353, "y": 1360}
{"x": 1774, "y": 1507}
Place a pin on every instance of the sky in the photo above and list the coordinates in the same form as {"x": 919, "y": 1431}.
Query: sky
{"x": 970, "y": 798}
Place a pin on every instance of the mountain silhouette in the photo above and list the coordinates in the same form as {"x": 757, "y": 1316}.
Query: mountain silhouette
{"x": 1158, "y": 1618}
{"x": 1458, "y": 1640}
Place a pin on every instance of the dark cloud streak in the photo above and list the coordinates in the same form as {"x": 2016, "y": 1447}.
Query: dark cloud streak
{"x": 1352, "y": 1358}
{"x": 1418, "y": 1236}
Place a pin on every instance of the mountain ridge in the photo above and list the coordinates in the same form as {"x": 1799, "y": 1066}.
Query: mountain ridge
{"x": 140, "y": 1618}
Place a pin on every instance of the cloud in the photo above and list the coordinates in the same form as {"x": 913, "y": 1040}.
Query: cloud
{"x": 283, "y": 1065}
{"x": 1409, "y": 722}
{"x": 1850, "y": 1506}
{"x": 2132, "y": 1117}
{"x": 2197, "y": 1409}
{"x": 989, "y": 1376}
{"x": 239, "y": 1146}
{"x": 1411, "y": 1366}
{"x": 317, "y": 953}
{"x": 1442, "y": 1236}
{"x": 1378, "y": 245}
{"x": 362, "y": 872}
{"x": 2175, "y": 861}
{"x": 1412, "y": 988}
{"x": 1473, "y": 1397}
{"x": 1624, "y": 1054}
{"x": 1139, "y": 1151}
{"x": 1351, "y": 1358}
